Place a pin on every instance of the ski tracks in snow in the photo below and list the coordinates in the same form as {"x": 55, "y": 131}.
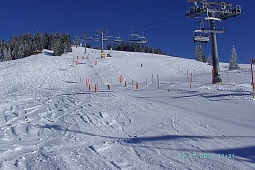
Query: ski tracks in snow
{"x": 51, "y": 121}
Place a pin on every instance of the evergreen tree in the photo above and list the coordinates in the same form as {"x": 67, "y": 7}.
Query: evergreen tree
{"x": 199, "y": 54}
{"x": 135, "y": 47}
{"x": 59, "y": 48}
{"x": 233, "y": 65}
{"x": 209, "y": 60}
{"x": 26, "y": 45}
{"x": 108, "y": 46}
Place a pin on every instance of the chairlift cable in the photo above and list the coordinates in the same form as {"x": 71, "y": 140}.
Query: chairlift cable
{"x": 174, "y": 18}
{"x": 248, "y": 8}
{"x": 155, "y": 23}
{"x": 159, "y": 22}
{"x": 175, "y": 26}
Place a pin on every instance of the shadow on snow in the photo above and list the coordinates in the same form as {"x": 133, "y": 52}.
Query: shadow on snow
{"x": 247, "y": 153}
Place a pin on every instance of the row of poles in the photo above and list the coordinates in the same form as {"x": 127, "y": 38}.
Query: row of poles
{"x": 121, "y": 80}
{"x": 189, "y": 79}
{"x": 94, "y": 87}
{"x": 136, "y": 83}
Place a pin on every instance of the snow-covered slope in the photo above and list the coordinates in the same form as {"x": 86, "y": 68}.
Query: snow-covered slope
{"x": 49, "y": 119}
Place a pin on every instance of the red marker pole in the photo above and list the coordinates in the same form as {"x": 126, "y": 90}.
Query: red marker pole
{"x": 120, "y": 78}
{"x": 95, "y": 88}
{"x": 212, "y": 75}
{"x": 87, "y": 81}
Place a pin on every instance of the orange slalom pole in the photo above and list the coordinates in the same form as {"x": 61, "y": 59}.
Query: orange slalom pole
{"x": 121, "y": 79}
{"x": 87, "y": 81}
{"x": 212, "y": 75}
{"x": 95, "y": 88}
{"x": 136, "y": 85}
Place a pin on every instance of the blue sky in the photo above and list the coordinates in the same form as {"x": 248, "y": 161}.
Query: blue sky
{"x": 82, "y": 16}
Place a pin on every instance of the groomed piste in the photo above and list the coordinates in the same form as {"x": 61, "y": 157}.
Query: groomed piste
{"x": 129, "y": 111}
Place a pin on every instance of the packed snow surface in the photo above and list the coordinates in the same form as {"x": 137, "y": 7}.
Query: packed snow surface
{"x": 49, "y": 119}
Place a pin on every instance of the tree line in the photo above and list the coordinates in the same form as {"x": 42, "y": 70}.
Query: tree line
{"x": 27, "y": 44}
{"x": 135, "y": 47}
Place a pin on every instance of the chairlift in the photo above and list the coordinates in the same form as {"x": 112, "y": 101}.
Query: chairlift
{"x": 142, "y": 39}
{"x": 219, "y": 29}
{"x": 89, "y": 38}
{"x": 107, "y": 38}
{"x": 133, "y": 37}
{"x": 118, "y": 39}
{"x": 96, "y": 39}
{"x": 201, "y": 37}
{"x": 142, "y": 42}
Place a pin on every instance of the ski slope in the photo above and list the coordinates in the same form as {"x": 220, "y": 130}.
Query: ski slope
{"x": 49, "y": 119}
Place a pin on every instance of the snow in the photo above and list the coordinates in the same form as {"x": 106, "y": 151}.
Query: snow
{"x": 50, "y": 120}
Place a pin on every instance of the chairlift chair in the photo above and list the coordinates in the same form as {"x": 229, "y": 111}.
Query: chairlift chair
{"x": 133, "y": 37}
{"x": 142, "y": 39}
{"x": 118, "y": 39}
{"x": 201, "y": 37}
{"x": 89, "y": 38}
{"x": 107, "y": 38}
{"x": 96, "y": 39}
{"x": 142, "y": 42}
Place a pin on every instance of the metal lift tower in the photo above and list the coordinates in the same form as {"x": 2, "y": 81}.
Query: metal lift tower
{"x": 86, "y": 38}
{"x": 213, "y": 12}
{"x": 103, "y": 32}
